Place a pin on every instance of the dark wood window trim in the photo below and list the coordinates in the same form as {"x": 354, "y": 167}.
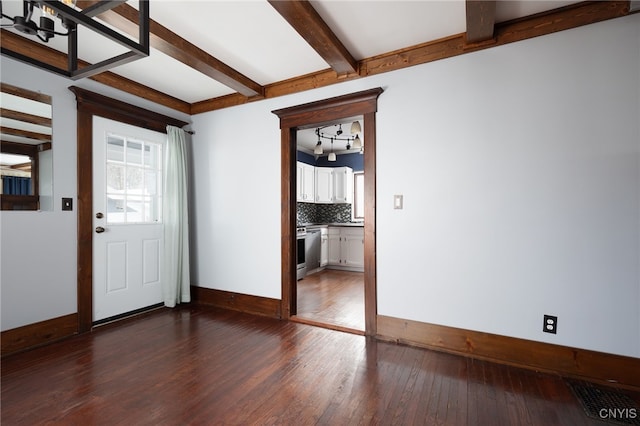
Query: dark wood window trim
{"x": 313, "y": 114}
{"x": 90, "y": 104}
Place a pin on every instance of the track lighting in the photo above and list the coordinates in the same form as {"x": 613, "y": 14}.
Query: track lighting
{"x": 352, "y": 140}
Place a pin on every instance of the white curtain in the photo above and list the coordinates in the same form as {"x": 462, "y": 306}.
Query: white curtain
{"x": 176, "y": 282}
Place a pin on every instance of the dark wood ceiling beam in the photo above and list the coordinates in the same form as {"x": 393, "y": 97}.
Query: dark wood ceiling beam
{"x": 22, "y": 92}
{"x": 26, "y": 47}
{"x": 308, "y": 23}
{"x": 481, "y": 18}
{"x": 125, "y": 18}
{"x": 25, "y": 117}
{"x": 25, "y": 134}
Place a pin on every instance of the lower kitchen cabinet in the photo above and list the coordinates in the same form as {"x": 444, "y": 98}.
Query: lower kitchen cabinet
{"x": 346, "y": 248}
{"x": 324, "y": 247}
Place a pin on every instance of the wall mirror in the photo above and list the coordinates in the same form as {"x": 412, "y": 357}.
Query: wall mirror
{"x": 26, "y": 157}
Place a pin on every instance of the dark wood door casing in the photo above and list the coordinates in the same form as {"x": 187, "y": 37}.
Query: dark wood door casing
{"x": 90, "y": 104}
{"x": 363, "y": 103}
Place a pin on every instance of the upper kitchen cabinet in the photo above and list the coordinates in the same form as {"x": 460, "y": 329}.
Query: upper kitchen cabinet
{"x": 305, "y": 174}
{"x": 334, "y": 185}
{"x": 343, "y": 185}
{"x": 324, "y": 185}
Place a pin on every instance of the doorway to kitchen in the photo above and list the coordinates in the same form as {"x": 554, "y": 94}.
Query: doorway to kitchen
{"x": 330, "y": 225}
{"x": 317, "y": 114}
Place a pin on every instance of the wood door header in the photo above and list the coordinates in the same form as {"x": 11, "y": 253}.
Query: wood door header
{"x": 327, "y": 110}
{"x": 121, "y": 111}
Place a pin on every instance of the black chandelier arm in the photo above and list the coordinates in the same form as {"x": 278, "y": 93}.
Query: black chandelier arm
{"x": 26, "y": 22}
{"x": 50, "y": 34}
{"x": 335, "y": 138}
{"x": 27, "y": 9}
{"x": 9, "y": 18}
{"x": 62, "y": 34}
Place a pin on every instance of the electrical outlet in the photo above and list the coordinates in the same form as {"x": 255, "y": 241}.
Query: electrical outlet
{"x": 550, "y": 324}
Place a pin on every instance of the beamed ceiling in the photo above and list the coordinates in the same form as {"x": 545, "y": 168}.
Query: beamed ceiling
{"x": 208, "y": 55}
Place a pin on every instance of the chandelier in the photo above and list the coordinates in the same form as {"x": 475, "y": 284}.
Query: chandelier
{"x": 352, "y": 140}
{"x": 65, "y": 11}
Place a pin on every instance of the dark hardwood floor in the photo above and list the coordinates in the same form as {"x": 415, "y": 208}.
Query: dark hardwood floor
{"x": 333, "y": 298}
{"x": 205, "y": 366}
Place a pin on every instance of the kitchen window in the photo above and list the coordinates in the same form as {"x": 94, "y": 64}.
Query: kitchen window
{"x": 358, "y": 196}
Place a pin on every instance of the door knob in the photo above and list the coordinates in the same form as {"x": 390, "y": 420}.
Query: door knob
{"x": 99, "y": 230}
{"x": 99, "y": 215}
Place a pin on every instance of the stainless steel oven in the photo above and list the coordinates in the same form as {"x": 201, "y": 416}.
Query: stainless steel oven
{"x": 301, "y": 238}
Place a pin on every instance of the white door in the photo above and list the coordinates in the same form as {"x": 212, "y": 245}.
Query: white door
{"x": 127, "y": 208}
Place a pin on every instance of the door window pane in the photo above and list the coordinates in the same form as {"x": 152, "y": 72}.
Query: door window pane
{"x": 152, "y": 155}
{"x": 115, "y": 178}
{"x": 133, "y": 180}
{"x": 151, "y": 180}
{"x": 115, "y": 149}
{"x": 134, "y": 152}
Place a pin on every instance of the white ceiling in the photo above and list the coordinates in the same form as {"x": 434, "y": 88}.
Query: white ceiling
{"x": 254, "y": 39}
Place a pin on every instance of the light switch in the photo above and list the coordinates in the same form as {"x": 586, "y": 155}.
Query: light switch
{"x": 67, "y": 204}
{"x": 397, "y": 202}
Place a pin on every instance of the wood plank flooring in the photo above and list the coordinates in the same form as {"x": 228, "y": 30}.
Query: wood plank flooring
{"x": 332, "y": 297}
{"x": 205, "y": 366}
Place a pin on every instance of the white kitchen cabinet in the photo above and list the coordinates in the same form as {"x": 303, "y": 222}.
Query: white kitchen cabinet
{"x": 305, "y": 179}
{"x": 343, "y": 185}
{"x": 346, "y": 248}
{"x": 324, "y": 247}
{"x": 324, "y": 185}
{"x": 333, "y": 247}
{"x": 352, "y": 247}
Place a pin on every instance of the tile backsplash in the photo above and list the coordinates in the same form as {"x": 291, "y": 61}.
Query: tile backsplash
{"x": 323, "y": 213}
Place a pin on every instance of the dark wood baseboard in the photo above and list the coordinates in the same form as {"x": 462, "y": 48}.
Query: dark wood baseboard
{"x": 257, "y": 305}
{"x": 616, "y": 370}
{"x": 38, "y": 334}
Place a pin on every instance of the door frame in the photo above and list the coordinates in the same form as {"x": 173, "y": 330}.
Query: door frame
{"x": 88, "y": 105}
{"x": 315, "y": 114}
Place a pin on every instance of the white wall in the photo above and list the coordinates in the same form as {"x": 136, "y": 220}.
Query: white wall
{"x": 521, "y": 194}
{"x": 520, "y": 170}
{"x": 38, "y": 250}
